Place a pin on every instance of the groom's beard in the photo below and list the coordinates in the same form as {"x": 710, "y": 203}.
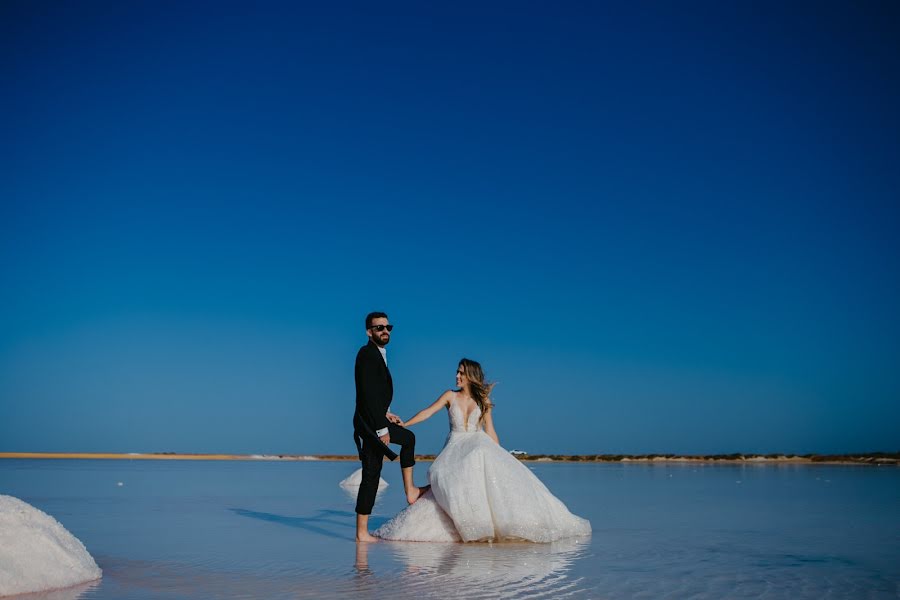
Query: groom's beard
{"x": 382, "y": 340}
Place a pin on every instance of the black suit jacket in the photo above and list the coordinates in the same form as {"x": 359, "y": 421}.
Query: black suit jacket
{"x": 374, "y": 392}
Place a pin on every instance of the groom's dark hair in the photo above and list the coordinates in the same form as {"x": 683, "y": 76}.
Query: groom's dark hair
{"x": 374, "y": 315}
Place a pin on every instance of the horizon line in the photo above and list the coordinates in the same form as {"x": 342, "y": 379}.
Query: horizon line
{"x": 870, "y": 458}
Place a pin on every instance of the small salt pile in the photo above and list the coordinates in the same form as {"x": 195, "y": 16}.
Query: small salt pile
{"x": 37, "y": 553}
{"x": 356, "y": 477}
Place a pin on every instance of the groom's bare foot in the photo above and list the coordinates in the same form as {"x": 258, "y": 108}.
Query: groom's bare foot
{"x": 365, "y": 537}
{"x": 416, "y": 493}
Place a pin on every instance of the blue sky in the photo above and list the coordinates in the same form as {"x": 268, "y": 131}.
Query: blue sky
{"x": 660, "y": 228}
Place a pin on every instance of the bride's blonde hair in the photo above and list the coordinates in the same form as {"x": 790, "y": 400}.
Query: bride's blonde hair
{"x": 478, "y": 388}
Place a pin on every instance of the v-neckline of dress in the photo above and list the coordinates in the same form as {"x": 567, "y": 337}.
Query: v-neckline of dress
{"x": 464, "y": 415}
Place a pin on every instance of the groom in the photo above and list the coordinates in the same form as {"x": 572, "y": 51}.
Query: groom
{"x": 374, "y": 427}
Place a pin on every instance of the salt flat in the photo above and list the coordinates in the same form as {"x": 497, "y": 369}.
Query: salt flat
{"x": 274, "y": 529}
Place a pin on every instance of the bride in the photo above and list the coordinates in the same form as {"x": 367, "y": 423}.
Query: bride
{"x": 479, "y": 491}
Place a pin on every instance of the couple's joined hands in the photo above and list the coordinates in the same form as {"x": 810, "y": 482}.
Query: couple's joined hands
{"x": 386, "y": 438}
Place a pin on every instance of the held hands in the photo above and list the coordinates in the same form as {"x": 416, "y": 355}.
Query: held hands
{"x": 386, "y": 438}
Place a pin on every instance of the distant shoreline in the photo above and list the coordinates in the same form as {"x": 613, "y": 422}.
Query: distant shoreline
{"x": 874, "y": 458}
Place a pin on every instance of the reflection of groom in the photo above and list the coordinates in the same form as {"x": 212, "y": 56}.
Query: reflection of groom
{"x": 374, "y": 427}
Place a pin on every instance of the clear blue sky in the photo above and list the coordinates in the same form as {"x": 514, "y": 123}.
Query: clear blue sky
{"x": 660, "y": 227}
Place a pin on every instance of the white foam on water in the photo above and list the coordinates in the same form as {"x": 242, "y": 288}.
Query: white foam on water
{"x": 37, "y": 553}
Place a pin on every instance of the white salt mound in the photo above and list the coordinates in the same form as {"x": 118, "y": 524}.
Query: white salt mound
{"x": 37, "y": 553}
{"x": 356, "y": 477}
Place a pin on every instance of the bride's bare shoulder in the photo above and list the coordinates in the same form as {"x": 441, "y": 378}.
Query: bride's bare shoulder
{"x": 447, "y": 397}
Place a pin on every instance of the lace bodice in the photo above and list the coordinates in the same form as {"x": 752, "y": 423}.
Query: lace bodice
{"x": 457, "y": 417}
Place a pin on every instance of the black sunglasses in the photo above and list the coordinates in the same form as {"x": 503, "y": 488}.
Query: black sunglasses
{"x": 382, "y": 327}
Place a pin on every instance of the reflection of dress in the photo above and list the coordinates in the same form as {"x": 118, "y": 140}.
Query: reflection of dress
{"x": 489, "y": 571}
{"x": 479, "y": 492}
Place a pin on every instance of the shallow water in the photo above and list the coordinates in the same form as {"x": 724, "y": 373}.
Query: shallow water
{"x": 194, "y": 529}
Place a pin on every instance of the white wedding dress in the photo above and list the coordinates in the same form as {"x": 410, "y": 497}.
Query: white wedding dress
{"x": 480, "y": 492}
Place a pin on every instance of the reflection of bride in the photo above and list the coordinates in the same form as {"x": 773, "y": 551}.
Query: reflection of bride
{"x": 479, "y": 492}
{"x": 474, "y": 570}
{"x": 485, "y": 569}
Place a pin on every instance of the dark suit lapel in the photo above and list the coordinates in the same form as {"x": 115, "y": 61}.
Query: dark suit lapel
{"x": 376, "y": 354}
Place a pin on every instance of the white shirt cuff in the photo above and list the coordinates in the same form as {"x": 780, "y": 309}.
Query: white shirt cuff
{"x": 381, "y": 432}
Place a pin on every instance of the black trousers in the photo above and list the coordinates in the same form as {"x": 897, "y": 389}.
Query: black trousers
{"x": 372, "y": 461}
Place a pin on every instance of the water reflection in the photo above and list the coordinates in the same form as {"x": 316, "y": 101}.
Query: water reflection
{"x": 475, "y": 570}
{"x": 70, "y": 593}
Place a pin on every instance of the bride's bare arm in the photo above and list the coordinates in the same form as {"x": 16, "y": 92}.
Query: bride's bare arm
{"x": 425, "y": 413}
{"x": 489, "y": 426}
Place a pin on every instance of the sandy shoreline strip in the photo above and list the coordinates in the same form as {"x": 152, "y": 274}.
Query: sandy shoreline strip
{"x": 878, "y": 458}
{"x": 162, "y": 456}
